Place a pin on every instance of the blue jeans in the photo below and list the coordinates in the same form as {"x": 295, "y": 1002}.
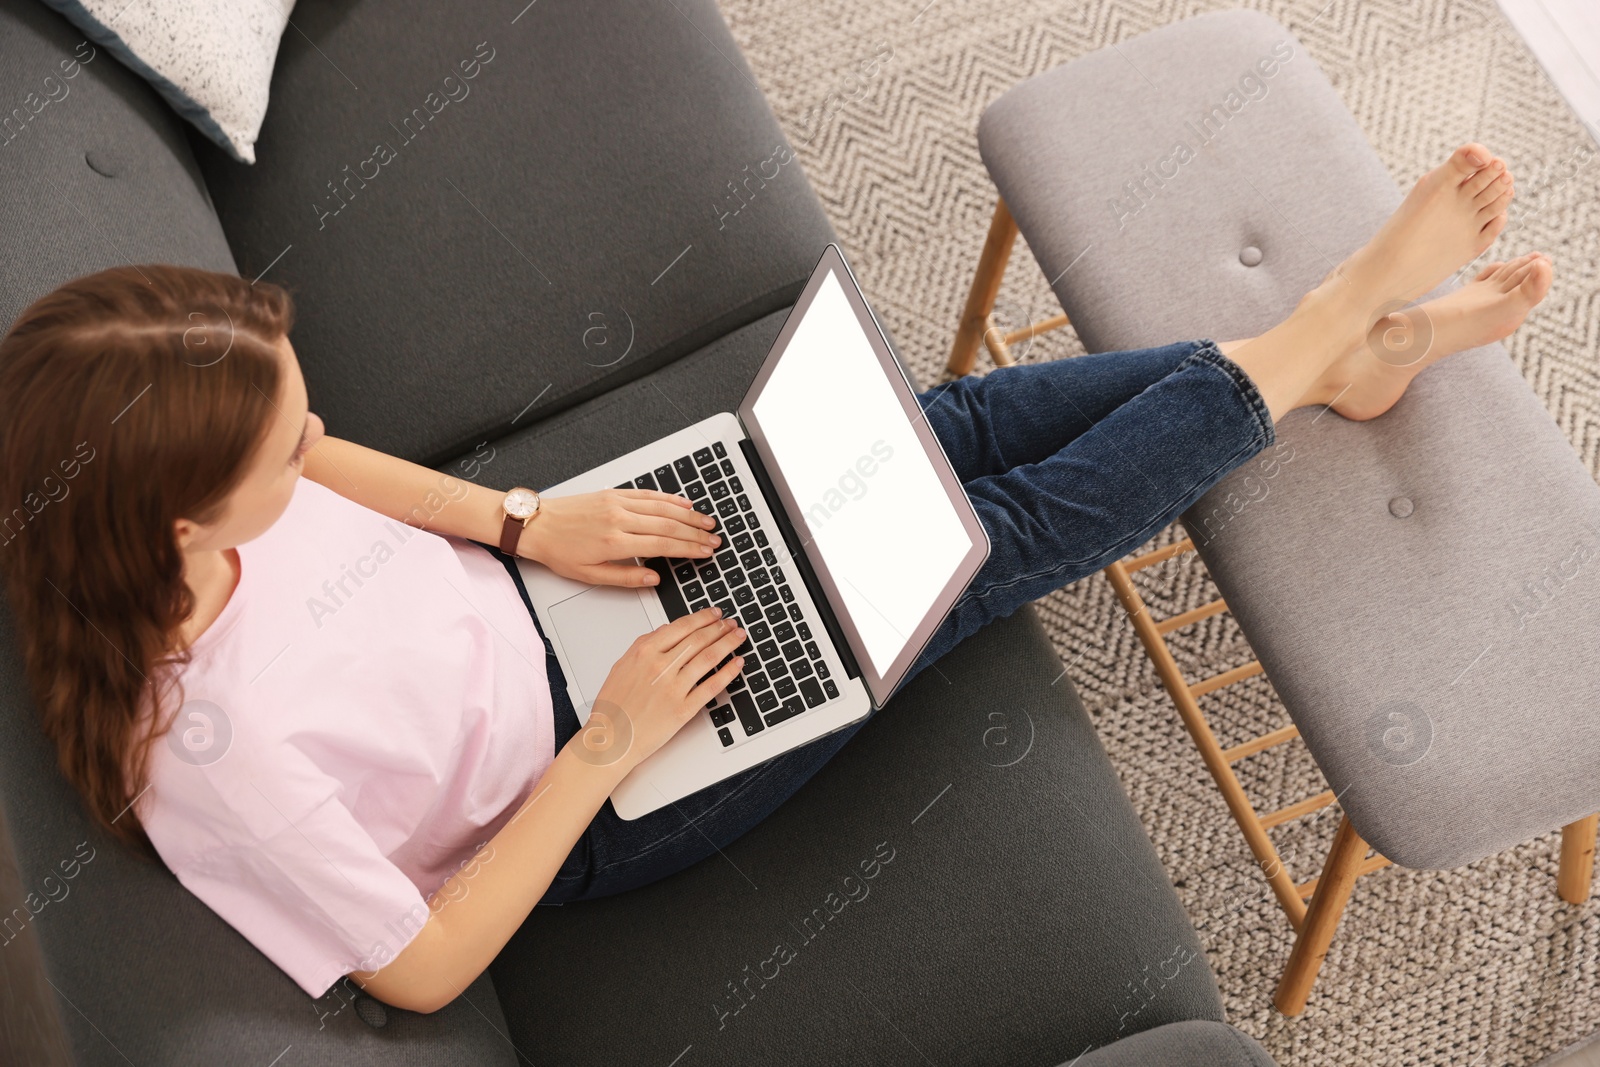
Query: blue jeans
{"x": 1070, "y": 464}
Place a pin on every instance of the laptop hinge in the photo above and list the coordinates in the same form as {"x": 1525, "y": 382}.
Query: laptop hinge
{"x": 809, "y": 576}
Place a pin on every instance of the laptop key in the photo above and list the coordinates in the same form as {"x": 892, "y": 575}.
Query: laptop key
{"x": 775, "y": 613}
{"x": 726, "y": 465}
{"x": 760, "y": 631}
{"x": 722, "y": 715}
{"x": 694, "y": 490}
{"x": 684, "y": 572}
{"x": 733, "y": 575}
{"x": 788, "y": 598}
{"x": 645, "y": 481}
{"x": 767, "y": 649}
{"x": 791, "y": 649}
{"x": 719, "y": 490}
{"x": 750, "y": 560}
{"x": 766, "y": 595}
{"x": 755, "y": 523}
{"x": 759, "y": 576}
{"x": 794, "y": 609}
{"x": 735, "y": 484}
{"x": 751, "y": 613}
{"x": 725, "y": 737}
{"x": 666, "y": 480}
{"x": 784, "y": 687}
{"x": 776, "y": 667}
{"x": 789, "y": 710}
{"x": 709, "y": 572}
{"x": 671, "y": 600}
{"x": 805, "y": 635}
{"x": 702, "y": 456}
{"x": 728, "y": 510}
{"x": 719, "y": 449}
{"x": 829, "y": 688}
{"x": 728, "y": 609}
{"x": 711, "y": 474}
{"x": 735, "y": 525}
{"x": 811, "y": 646}
{"x": 761, "y": 538}
{"x": 802, "y": 668}
{"x": 758, "y": 682}
{"x": 743, "y": 595}
{"x": 745, "y": 705}
{"x": 767, "y": 700}
{"x": 716, "y": 591}
{"x": 693, "y": 590}
{"x": 700, "y": 605}
{"x": 742, "y": 544}
{"x": 684, "y": 469}
{"x": 777, "y": 574}
{"x": 737, "y": 683}
{"x": 784, "y": 632}
{"x": 812, "y": 692}
{"x": 822, "y": 669}
{"x": 744, "y": 502}
{"x": 770, "y": 557}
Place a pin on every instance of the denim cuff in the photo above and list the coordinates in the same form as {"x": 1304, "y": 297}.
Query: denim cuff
{"x": 1206, "y": 351}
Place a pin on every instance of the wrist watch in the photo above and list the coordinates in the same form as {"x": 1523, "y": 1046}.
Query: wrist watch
{"x": 520, "y": 506}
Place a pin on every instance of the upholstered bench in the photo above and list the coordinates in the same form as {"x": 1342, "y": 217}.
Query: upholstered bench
{"x": 1422, "y": 590}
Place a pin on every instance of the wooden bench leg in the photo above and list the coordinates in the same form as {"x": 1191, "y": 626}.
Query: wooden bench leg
{"x": 985, "y": 288}
{"x": 1577, "y": 859}
{"x": 1322, "y": 919}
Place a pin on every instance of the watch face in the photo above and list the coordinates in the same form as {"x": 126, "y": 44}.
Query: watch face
{"x": 522, "y": 503}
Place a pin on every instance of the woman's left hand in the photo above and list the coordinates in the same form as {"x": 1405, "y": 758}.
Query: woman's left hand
{"x": 578, "y": 536}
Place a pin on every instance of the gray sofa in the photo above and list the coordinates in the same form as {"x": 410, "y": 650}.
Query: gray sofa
{"x": 578, "y": 256}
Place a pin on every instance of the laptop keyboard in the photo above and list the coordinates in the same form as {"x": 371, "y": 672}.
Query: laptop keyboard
{"x": 785, "y": 672}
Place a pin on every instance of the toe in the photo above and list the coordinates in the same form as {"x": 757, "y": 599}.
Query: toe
{"x": 1466, "y": 160}
{"x": 1493, "y": 188}
{"x": 1488, "y": 272}
{"x": 1497, "y": 206}
{"x": 1484, "y": 178}
{"x": 1537, "y": 283}
{"x": 1491, "y": 230}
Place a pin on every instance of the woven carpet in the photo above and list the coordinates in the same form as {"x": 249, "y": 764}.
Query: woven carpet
{"x": 1480, "y": 966}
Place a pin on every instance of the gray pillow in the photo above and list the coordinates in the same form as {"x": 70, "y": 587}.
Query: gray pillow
{"x": 211, "y": 59}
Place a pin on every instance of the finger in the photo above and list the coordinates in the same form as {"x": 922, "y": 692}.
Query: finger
{"x": 658, "y": 496}
{"x": 622, "y": 574}
{"x": 683, "y": 653}
{"x": 669, "y": 634}
{"x": 706, "y": 660}
{"x": 670, "y": 509}
{"x": 702, "y": 694}
{"x": 670, "y": 547}
{"x": 671, "y": 526}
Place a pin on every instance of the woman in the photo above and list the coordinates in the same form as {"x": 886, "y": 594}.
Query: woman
{"x": 348, "y": 735}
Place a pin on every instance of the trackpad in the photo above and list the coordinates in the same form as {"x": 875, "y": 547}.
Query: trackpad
{"x": 596, "y": 627}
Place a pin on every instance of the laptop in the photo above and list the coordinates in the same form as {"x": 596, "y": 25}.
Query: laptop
{"x": 846, "y": 539}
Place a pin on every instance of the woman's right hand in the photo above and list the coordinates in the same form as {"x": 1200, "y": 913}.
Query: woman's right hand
{"x": 657, "y": 687}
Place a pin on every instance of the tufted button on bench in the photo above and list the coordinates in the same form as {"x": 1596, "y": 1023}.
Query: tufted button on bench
{"x": 1422, "y": 590}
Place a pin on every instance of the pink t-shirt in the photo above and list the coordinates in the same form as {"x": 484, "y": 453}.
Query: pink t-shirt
{"x": 370, "y": 707}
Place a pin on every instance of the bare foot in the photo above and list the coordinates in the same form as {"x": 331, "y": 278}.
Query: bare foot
{"x": 1450, "y": 217}
{"x": 1368, "y": 380}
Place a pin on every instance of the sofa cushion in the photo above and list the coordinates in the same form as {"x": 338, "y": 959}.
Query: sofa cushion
{"x": 1022, "y": 900}
{"x": 1421, "y": 588}
{"x": 491, "y": 216}
{"x": 95, "y": 166}
{"x": 1196, "y": 1043}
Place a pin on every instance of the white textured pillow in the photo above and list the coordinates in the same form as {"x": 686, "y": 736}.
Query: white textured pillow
{"x": 211, "y": 59}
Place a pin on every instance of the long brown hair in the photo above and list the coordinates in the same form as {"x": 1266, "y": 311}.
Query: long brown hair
{"x": 129, "y": 398}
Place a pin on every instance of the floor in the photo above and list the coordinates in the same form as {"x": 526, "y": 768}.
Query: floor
{"x": 1565, "y": 37}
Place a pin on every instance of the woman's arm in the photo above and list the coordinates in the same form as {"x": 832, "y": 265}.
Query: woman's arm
{"x": 575, "y": 536}
{"x": 477, "y": 910}
{"x": 659, "y": 684}
{"x": 407, "y": 491}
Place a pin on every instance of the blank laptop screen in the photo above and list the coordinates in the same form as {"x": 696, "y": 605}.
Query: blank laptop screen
{"x": 869, "y": 498}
